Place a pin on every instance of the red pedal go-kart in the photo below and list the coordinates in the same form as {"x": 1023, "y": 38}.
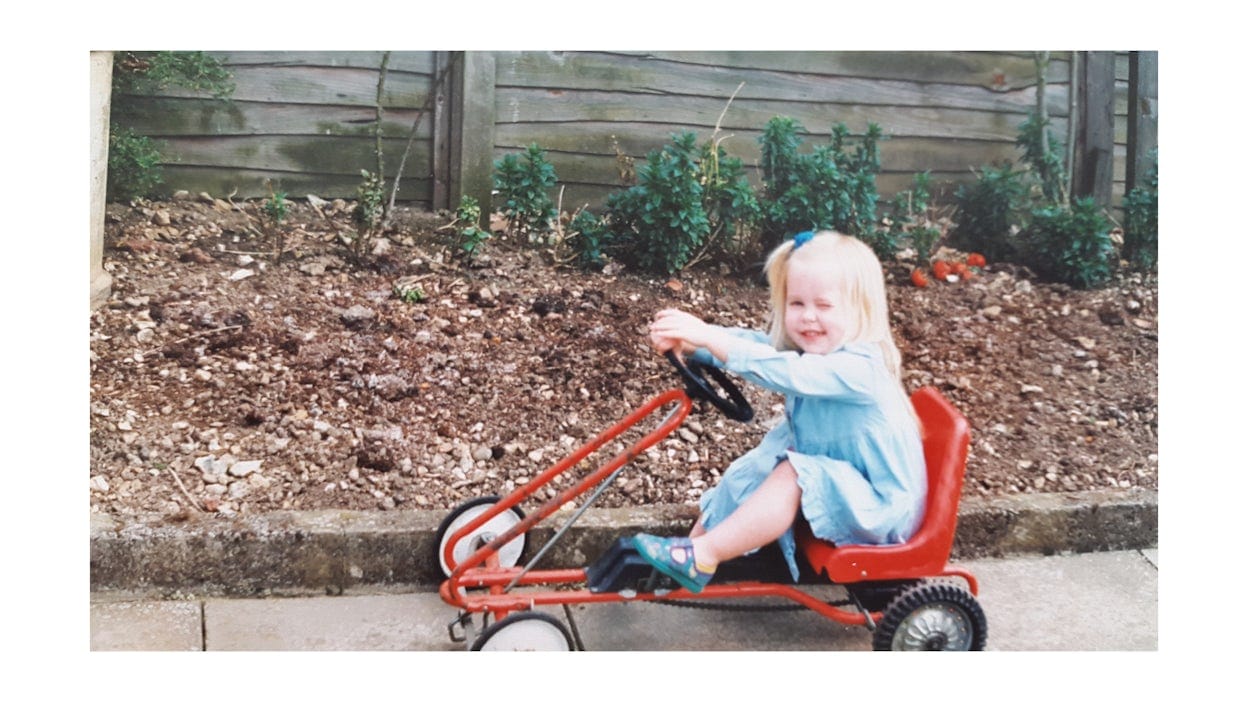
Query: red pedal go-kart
{"x": 905, "y": 594}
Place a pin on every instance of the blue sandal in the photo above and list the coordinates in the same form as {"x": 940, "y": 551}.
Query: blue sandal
{"x": 674, "y": 558}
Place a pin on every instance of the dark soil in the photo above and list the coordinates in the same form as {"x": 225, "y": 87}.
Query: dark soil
{"x": 351, "y": 394}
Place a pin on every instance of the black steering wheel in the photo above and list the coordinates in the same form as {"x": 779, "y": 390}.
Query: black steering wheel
{"x": 694, "y": 374}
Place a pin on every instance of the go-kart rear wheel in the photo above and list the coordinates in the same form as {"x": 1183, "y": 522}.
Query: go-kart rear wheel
{"x": 509, "y": 555}
{"x": 525, "y": 631}
{"x": 932, "y": 617}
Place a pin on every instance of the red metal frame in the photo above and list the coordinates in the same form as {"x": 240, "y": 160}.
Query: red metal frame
{"x": 946, "y": 440}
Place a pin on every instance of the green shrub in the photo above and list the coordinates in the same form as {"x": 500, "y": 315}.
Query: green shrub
{"x": 660, "y": 223}
{"x": 146, "y": 73}
{"x": 1071, "y": 244}
{"x": 1043, "y": 152}
{"x": 133, "y": 165}
{"x": 689, "y": 202}
{"x": 524, "y": 182}
{"x": 989, "y": 211}
{"x": 828, "y": 188}
{"x": 1139, "y": 227}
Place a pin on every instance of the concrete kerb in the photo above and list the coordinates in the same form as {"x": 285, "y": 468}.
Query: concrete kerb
{"x": 332, "y": 551}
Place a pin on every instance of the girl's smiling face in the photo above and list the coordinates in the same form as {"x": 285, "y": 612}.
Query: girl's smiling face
{"x": 815, "y": 315}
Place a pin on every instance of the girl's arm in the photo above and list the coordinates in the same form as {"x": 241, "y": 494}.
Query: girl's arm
{"x": 847, "y": 373}
{"x": 688, "y": 335}
{"x": 850, "y": 373}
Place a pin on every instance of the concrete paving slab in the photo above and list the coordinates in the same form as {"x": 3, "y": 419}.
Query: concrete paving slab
{"x": 1072, "y": 602}
{"x": 146, "y": 626}
{"x": 408, "y": 622}
{"x": 1089, "y": 602}
{"x": 645, "y": 626}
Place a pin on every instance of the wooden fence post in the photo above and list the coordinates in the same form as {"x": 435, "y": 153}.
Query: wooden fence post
{"x": 1141, "y": 116}
{"x": 101, "y": 94}
{"x": 1093, "y": 168}
{"x": 471, "y": 138}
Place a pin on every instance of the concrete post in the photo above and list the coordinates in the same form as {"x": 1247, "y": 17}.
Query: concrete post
{"x": 101, "y": 93}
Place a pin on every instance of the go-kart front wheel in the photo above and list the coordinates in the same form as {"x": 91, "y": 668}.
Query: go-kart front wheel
{"x": 509, "y": 555}
{"x": 932, "y": 617}
{"x": 525, "y": 631}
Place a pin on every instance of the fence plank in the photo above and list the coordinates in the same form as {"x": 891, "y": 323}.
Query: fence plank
{"x": 166, "y": 117}
{"x": 1142, "y": 117}
{"x": 1094, "y": 153}
{"x": 793, "y": 73}
{"x": 251, "y": 183}
{"x": 670, "y": 115}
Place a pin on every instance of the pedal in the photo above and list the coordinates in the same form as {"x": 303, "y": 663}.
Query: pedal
{"x": 622, "y": 569}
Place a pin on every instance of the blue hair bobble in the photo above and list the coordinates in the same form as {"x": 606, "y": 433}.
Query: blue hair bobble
{"x": 801, "y": 238}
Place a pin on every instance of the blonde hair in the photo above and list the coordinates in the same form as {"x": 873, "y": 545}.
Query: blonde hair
{"x": 853, "y": 265}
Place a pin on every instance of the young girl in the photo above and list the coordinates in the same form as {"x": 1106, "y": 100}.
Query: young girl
{"x": 848, "y": 456}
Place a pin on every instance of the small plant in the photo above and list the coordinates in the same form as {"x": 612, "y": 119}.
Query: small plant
{"x": 909, "y": 218}
{"x": 732, "y": 210}
{"x": 1071, "y": 245}
{"x": 275, "y": 210}
{"x": 829, "y": 188}
{"x": 1139, "y": 227}
{"x": 368, "y": 212}
{"x": 411, "y": 294}
{"x": 133, "y": 165}
{"x": 589, "y": 239}
{"x": 409, "y": 290}
{"x": 472, "y": 238}
{"x": 524, "y": 183}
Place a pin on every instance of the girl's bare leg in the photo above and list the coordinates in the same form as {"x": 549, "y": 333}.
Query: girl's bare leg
{"x": 762, "y": 518}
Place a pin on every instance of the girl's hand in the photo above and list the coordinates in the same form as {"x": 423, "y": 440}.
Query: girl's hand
{"x": 674, "y": 329}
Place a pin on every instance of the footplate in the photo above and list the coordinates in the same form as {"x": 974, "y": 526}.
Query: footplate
{"x": 622, "y": 569}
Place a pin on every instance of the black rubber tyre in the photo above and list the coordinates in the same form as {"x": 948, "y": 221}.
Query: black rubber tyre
{"x": 932, "y": 617}
{"x": 525, "y": 631}
{"x": 509, "y": 555}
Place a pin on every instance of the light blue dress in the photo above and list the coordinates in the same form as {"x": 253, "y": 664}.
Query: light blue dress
{"x": 848, "y": 433}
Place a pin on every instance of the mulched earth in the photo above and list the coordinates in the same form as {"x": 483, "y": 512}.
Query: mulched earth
{"x": 223, "y": 381}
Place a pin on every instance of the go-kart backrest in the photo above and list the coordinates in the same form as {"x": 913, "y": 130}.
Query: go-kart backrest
{"x": 946, "y": 438}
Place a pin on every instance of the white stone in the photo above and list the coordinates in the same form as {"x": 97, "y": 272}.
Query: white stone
{"x": 244, "y": 468}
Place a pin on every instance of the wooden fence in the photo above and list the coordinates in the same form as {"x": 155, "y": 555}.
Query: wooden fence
{"x": 304, "y": 120}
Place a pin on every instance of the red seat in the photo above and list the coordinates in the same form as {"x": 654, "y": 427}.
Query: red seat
{"x": 946, "y": 439}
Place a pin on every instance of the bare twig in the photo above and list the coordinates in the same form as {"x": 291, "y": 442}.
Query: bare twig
{"x": 381, "y": 111}
{"x": 210, "y": 331}
{"x": 246, "y": 253}
{"x": 725, "y": 110}
{"x": 182, "y": 487}
{"x": 714, "y": 155}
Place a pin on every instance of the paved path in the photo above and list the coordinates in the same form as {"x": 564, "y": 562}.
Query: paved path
{"x": 1083, "y": 602}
